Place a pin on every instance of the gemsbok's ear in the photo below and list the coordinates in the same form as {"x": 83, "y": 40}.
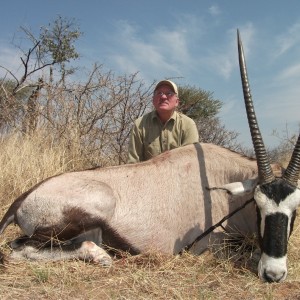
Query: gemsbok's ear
{"x": 238, "y": 188}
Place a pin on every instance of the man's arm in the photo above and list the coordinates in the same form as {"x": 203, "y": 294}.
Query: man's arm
{"x": 135, "y": 147}
{"x": 191, "y": 134}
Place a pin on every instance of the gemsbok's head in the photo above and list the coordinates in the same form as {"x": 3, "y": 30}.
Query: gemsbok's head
{"x": 277, "y": 199}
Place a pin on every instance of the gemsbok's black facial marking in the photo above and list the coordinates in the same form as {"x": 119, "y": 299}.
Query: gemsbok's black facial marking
{"x": 293, "y": 221}
{"x": 258, "y": 226}
{"x": 274, "y": 241}
{"x": 278, "y": 190}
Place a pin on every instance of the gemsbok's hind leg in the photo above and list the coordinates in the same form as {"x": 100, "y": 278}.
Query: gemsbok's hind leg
{"x": 88, "y": 251}
{"x": 83, "y": 247}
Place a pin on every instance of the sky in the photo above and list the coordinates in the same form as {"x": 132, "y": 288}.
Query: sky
{"x": 191, "y": 41}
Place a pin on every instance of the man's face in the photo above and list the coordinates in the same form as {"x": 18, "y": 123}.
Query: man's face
{"x": 164, "y": 99}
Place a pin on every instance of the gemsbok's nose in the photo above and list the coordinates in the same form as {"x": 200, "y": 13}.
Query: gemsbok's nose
{"x": 270, "y": 276}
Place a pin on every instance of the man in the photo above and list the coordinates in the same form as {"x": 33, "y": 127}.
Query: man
{"x": 162, "y": 129}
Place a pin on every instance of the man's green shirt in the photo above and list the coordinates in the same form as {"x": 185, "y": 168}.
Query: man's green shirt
{"x": 149, "y": 137}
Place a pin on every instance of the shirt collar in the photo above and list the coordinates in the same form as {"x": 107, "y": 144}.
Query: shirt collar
{"x": 155, "y": 116}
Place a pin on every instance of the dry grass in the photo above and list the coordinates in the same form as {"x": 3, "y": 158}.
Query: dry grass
{"x": 224, "y": 272}
{"x": 222, "y": 275}
{"x": 26, "y": 161}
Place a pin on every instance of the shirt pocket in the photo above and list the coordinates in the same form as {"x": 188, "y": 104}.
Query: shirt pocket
{"x": 152, "y": 148}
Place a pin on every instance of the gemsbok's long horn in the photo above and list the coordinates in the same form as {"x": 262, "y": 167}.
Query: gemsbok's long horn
{"x": 292, "y": 172}
{"x": 264, "y": 168}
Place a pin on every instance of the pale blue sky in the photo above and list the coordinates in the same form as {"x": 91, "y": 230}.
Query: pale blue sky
{"x": 192, "y": 40}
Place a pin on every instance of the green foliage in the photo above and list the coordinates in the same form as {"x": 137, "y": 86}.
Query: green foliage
{"x": 58, "y": 40}
{"x": 41, "y": 274}
{"x": 200, "y": 105}
{"x": 7, "y": 88}
{"x": 197, "y": 103}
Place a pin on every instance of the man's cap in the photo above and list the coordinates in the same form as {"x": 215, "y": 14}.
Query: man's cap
{"x": 169, "y": 83}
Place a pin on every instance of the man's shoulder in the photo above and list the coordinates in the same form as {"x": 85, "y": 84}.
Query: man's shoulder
{"x": 185, "y": 118}
{"x": 145, "y": 118}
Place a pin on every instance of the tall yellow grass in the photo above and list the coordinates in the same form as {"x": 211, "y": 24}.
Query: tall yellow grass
{"x": 26, "y": 160}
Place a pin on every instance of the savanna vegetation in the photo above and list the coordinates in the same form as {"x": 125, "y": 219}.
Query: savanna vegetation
{"x": 52, "y": 120}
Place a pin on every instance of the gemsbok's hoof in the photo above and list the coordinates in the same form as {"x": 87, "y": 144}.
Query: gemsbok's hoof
{"x": 91, "y": 252}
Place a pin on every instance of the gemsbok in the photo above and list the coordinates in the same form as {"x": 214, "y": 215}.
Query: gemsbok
{"x": 163, "y": 204}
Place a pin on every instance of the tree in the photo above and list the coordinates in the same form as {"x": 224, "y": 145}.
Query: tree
{"x": 135, "y": 101}
{"x": 54, "y": 46}
{"x": 58, "y": 40}
{"x": 203, "y": 109}
{"x": 96, "y": 116}
{"x": 282, "y": 153}
{"x": 197, "y": 103}
{"x": 11, "y": 107}
{"x": 92, "y": 117}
